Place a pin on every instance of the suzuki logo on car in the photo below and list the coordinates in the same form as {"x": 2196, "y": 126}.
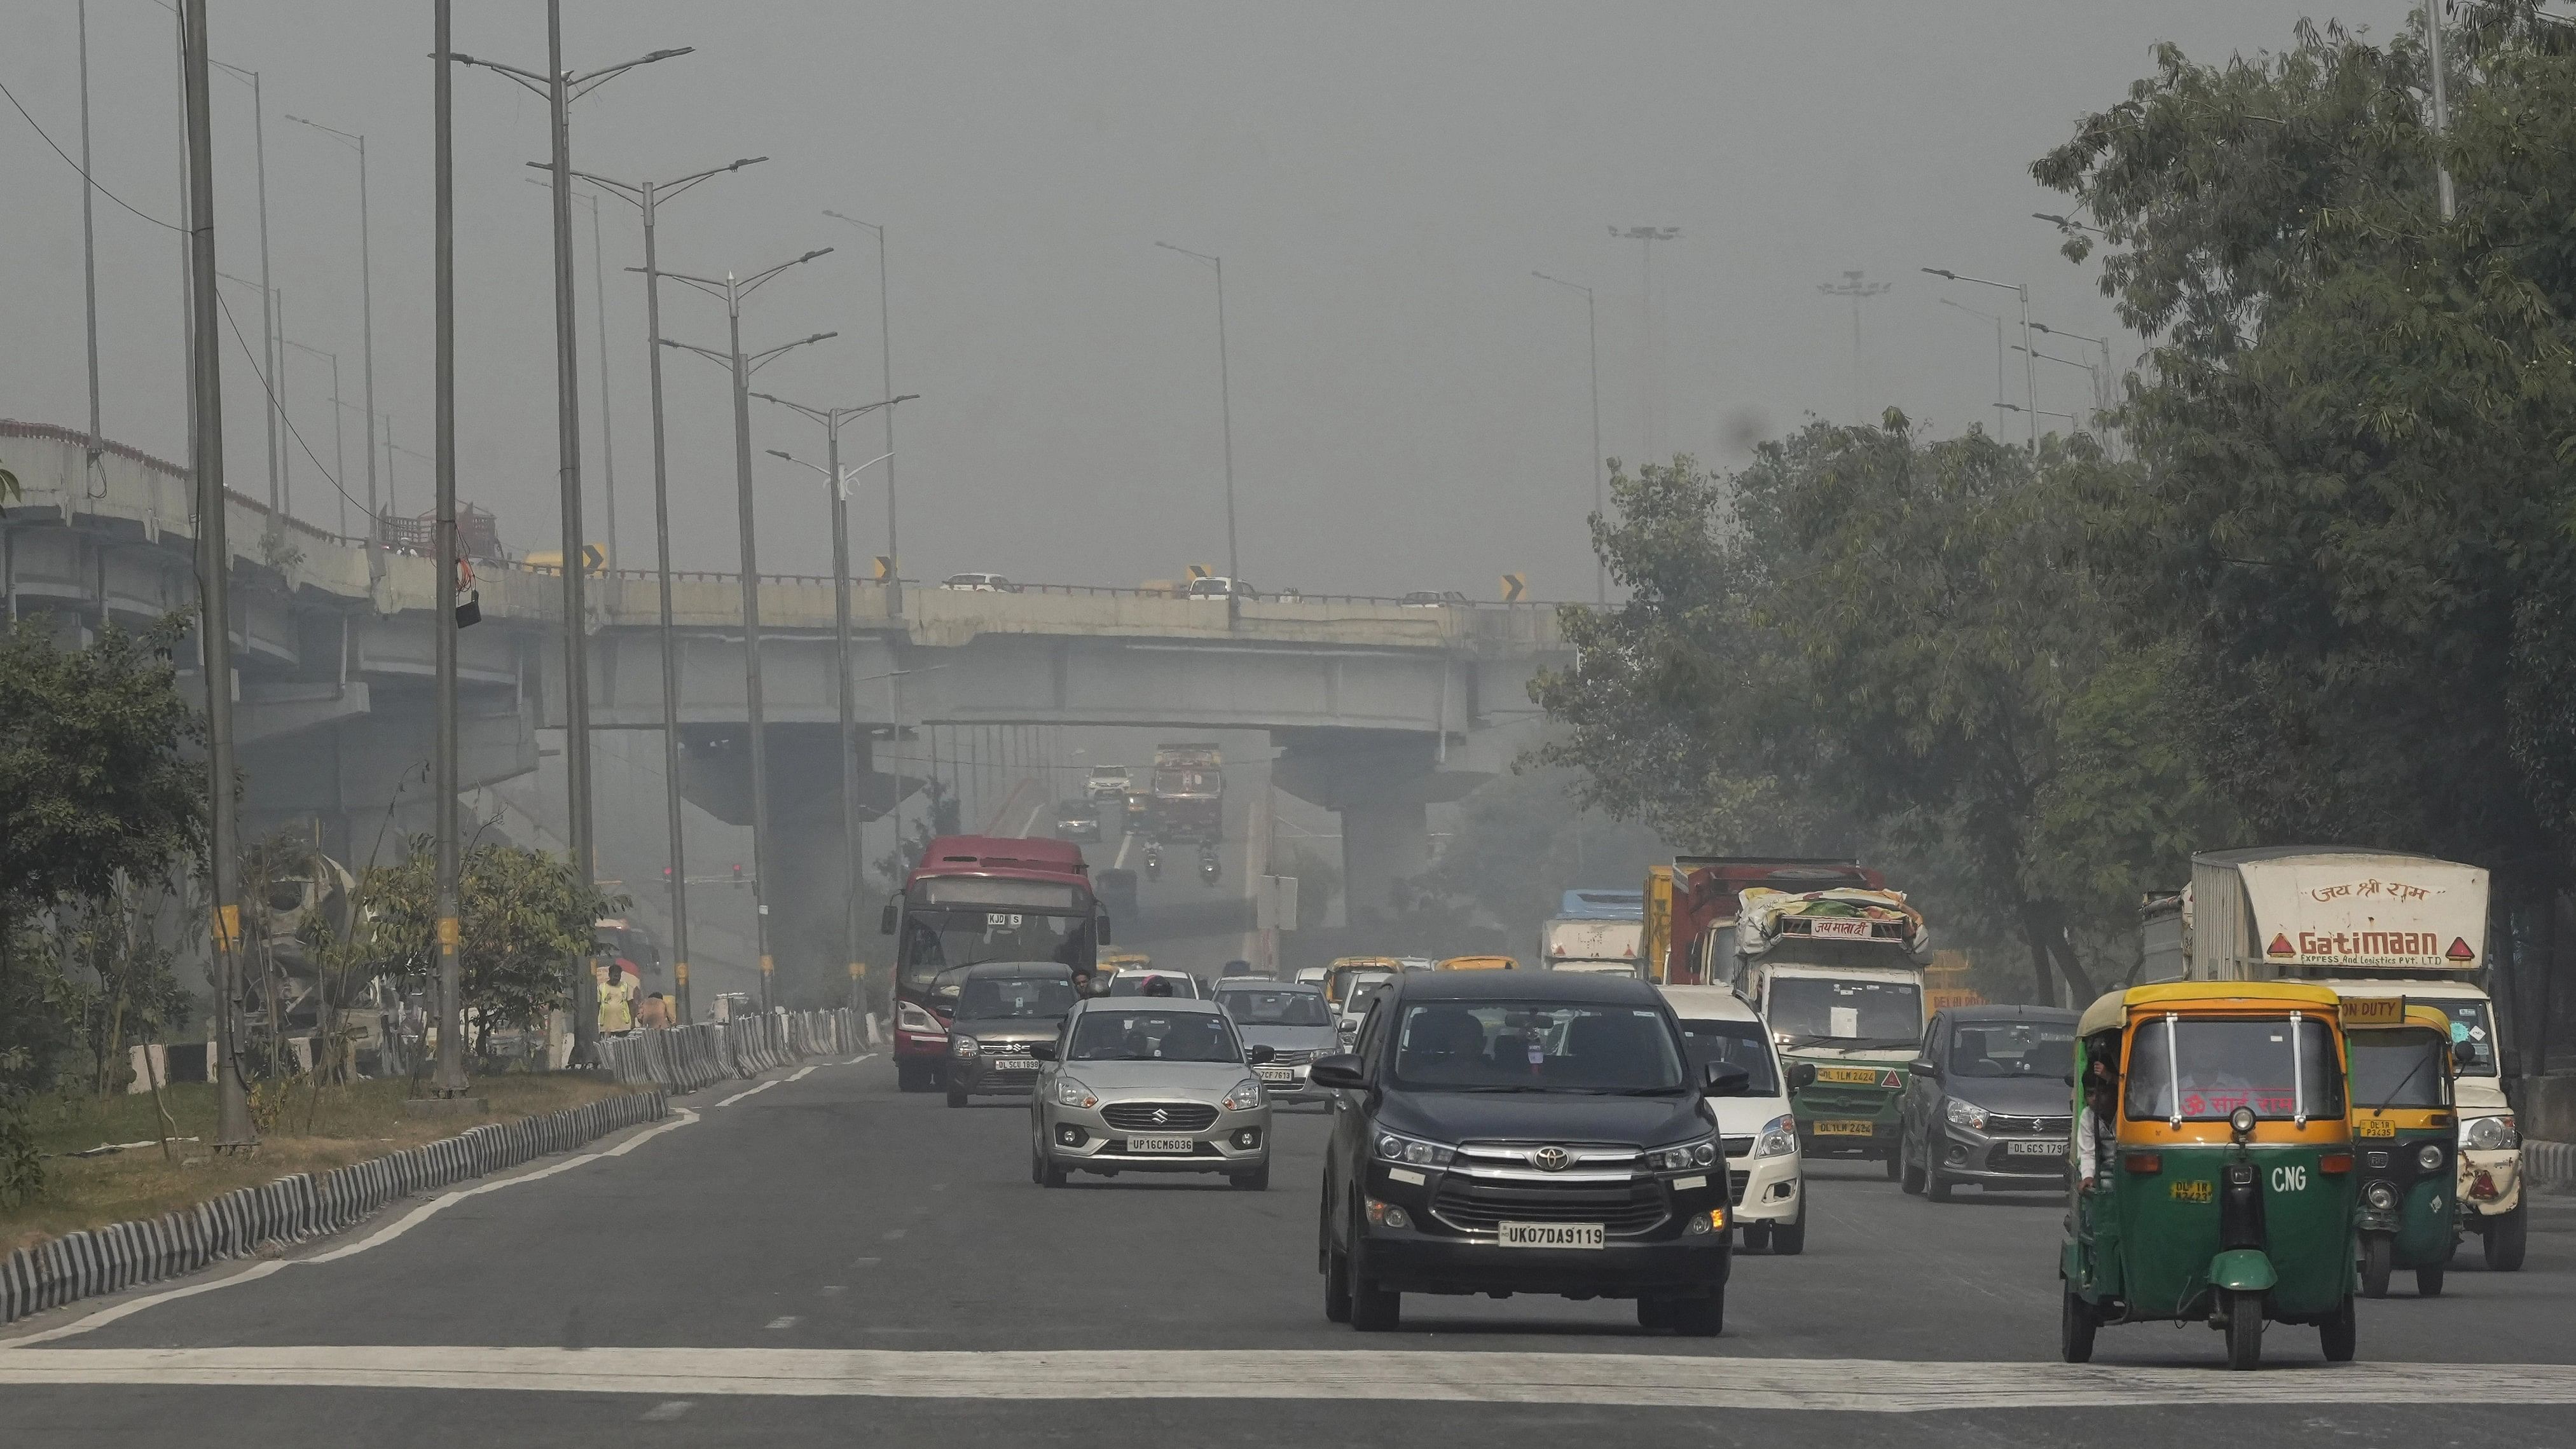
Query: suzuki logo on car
{"x": 1162, "y": 1114}
{"x": 1551, "y": 1159}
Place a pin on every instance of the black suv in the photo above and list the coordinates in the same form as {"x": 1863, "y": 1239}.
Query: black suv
{"x": 1524, "y": 1132}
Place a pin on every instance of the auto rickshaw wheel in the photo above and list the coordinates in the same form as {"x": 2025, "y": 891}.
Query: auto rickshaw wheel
{"x": 2428, "y": 1282}
{"x": 2506, "y": 1236}
{"x": 2339, "y": 1335}
{"x": 2075, "y": 1325}
{"x": 2376, "y": 1251}
{"x": 2245, "y": 1329}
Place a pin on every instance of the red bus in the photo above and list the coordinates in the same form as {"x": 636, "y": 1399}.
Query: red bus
{"x": 976, "y": 898}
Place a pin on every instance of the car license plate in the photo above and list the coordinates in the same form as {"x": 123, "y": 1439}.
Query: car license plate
{"x": 1845, "y": 1127}
{"x": 1276, "y": 1074}
{"x": 2036, "y": 1147}
{"x": 1182, "y": 1145}
{"x": 1013, "y": 1064}
{"x": 1553, "y": 1235}
{"x": 1838, "y": 930}
{"x": 2374, "y": 1127}
{"x": 1853, "y": 1076}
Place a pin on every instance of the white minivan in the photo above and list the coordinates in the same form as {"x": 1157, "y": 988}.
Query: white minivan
{"x": 1757, "y": 1131}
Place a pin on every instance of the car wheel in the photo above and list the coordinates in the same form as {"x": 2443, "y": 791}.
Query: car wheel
{"x": 1257, "y": 1180}
{"x": 1894, "y": 1161}
{"x": 1654, "y": 1314}
{"x": 1789, "y": 1239}
{"x": 1757, "y": 1236}
{"x": 2375, "y": 1254}
{"x": 1935, "y": 1186}
{"x": 1337, "y": 1286}
{"x": 1373, "y": 1309}
{"x": 911, "y": 1077}
{"x": 2341, "y": 1334}
{"x": 1037, "y": 1160}
{"x": 1700, "y": 1317}
{"x": 956, "y": 1096}
{"x": 2075, "y": 1325}
{"x": 1911, "y": 1179}
{"x": 2506, "y": 1237}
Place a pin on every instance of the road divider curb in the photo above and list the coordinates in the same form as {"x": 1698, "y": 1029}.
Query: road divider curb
{"x": 2549, "y": 1164}
{"x": 294, "y": 1209}
{"x": 684, "y": 1059}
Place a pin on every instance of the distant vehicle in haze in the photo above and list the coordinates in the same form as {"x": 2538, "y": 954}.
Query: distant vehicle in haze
{"x": 1600, "y": 903}
{"x": 1076, "y": 820}
{"x": 975, "y": 898}
{"x": 1290, "y": 595}
{"x": 1108, "y": 785}
{"x": 1183, "y": 985}
{"x": 1292, "y": 1020}
{"x": 1189, "y": 793}
{"x": 1431, "y": 599}
{"x": 979, "y": 584}
{"x": 1221, "y": 587}
{"x": 1591, "y": 944}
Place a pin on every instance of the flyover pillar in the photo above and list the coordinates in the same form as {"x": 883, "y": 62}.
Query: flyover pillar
{"x": 1382, "y": 783}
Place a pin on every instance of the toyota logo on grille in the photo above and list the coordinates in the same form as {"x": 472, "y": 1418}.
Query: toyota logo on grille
{"x": 1551, "y": 1159}
{"x": 1162, "y": 1114}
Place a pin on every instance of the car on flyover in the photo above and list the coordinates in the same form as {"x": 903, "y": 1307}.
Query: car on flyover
{"x": 979, "y": 584}
{"x": 1765, "y": 1178}
{"x": 1221, "y": 587}
{"x": 1002, "y": 1009}
{"x": 1525, "y": 1132}
{"x": 1431, "y": 599}
{"x": 1150, "y": 1085}
{"x": 1290, "y": 1018}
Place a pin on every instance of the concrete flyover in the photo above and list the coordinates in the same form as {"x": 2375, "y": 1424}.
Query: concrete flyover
{"x": 1378, "y": 709}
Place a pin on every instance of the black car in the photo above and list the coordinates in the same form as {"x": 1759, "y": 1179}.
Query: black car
{"x": 1986, "y": 1101}
{"x": 1524, "y": 1132}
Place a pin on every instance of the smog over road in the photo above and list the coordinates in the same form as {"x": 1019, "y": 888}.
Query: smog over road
{"x": 786, "y": 720}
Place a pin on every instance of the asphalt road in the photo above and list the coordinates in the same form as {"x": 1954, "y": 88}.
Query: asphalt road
{"x": 826, "y": 1260}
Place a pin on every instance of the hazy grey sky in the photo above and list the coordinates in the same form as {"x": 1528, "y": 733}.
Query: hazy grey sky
{"x": 1409, "y": 403}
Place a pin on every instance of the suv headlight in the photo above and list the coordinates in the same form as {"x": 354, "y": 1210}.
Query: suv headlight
{"x": 913, "y": 1016}
{"x": 1682, "y": 1155}
{"x": 1779, "y": 1138}
{"x": 1243, "y": 1096}
{"x": 964, "y": 1046}
{"x": 1964, "y": 1114}
{"x": 2490, "y": 1134}
{"x": 1394, "y": 1147}
{"x": 1070, "y": 1092}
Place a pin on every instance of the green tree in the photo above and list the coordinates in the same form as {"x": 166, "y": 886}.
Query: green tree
{"x": 524, "y": 916}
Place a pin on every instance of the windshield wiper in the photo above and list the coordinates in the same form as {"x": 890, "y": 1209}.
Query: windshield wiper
{"x": 2401, "y": 1084}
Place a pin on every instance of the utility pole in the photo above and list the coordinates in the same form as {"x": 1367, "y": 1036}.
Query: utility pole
{"x": 233, "y": 1129}
{"x": 267, "y": 296}
{"x": 89, "y": 241}
{"x": 1651, "y": 406}
{"x": 560, "y": 88}
{"x": 733, "y": 290}
{"x": 1225, "y": 404}
{"x": 885, "y": 384}
{"x": 647, "y": 197}
{"x": 2441, "y": 98}
{"x": 1853, "y": 287}
{"x": 836, "y": 488}
{"x": 1592, "y": 347}
{"x": 450, "y": 1081}
{"x": 367, "y": 332}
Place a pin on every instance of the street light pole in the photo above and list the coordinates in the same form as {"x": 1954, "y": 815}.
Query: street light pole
{"x": 647, "y": 196}
{"x": 267, "y": 292}
{"x": 1652, "y": 404}
{"x": 89, "y": 239}
{"x": 1853, "y": 287}
{"x": 2000, "y": 404}
{"x": 733, "y": 290}
{"x": 560, "y": 88}
{"x": 233, "y": 1128}
{"x": 836, "y": 489}
{"x": 885, "y": 383}
{"x": 450, "y": 1080}
{"x": 2029, "y": 374}
{"x": 367, "y": 329}
{"x": 339, "y": 440}
{"x": 1225, "y": 404}
{"x": 1592, "y": 344}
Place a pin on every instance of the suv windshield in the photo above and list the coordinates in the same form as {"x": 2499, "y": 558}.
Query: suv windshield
{"x": 1277, "y": 1008}
{"x": 1150, "y": 1036}
{"x": 2396, "y": 1068}
{"x": 2219, "y": 1066}
{"x": 1038, "y": 998}
{"x": 2012, "y": 1049}
{"x": 1736, "y": 1043}
{"x": 1823, "y": 1009}
{"x": 936, "y": 938}
{"x": 1536, "y": 1046}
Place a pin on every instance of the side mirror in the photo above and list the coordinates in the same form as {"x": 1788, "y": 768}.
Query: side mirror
{"x": 1922, "y": 1067}
{"x": 1103, "y": 918}
{"x": 885, "y": 923}
{"x": 1342, "y": 1070}
{"x": 1259, "y": 1055}
{"x": 1726, "y": 1079}
{"x": 1042, "y": 1050}
{"x": 1802, "y": 1075}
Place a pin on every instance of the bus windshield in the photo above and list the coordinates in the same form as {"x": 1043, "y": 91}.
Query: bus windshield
{"x": 937, "y": 938}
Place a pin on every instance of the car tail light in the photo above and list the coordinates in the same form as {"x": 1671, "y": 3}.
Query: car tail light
{"x": 2144, "y": 1162}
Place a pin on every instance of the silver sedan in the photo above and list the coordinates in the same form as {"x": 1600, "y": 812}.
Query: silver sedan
{"x": 1139, "y": 1084}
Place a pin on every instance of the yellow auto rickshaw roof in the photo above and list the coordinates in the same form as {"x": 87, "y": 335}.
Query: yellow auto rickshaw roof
{"x": 2428, "y": 1018}
{"x": 1478, "y": 963}
{"x": 2114, "y": 1008}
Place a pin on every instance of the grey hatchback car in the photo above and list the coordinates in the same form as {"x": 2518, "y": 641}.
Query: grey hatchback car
{"x": 1293, "y": 1020}
{"x": 1002, "y": 1009}
{"x": 1149, "y": 1084}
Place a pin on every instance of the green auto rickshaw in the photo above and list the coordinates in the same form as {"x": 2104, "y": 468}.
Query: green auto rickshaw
{"x": 2214, "y": 1166}
{"x": 2405, "y": 1135}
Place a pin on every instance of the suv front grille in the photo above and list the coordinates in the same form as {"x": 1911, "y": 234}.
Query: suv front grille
{"x": 1158, "y": 1116}
{"x": 1473, "y": 1207}
{"x": 1297, "y": 1058}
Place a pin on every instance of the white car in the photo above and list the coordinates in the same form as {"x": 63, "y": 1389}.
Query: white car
{"x": 1756, "y": 1130}
{"x": 1221, "y": 587}
{"x": 1313, "y": 975}
{"x": 1431, "y": 599}
{"x": 1362, "y": 988}
{"x": 979, "y": 584}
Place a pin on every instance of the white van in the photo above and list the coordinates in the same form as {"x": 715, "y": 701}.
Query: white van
{"x": 1758, "y": 1132}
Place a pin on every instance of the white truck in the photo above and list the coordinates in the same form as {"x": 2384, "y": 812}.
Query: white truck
{"x": 1838, "y": 976}
{"x": 2366, "y": 923}
{"x": 1604, "y": 947}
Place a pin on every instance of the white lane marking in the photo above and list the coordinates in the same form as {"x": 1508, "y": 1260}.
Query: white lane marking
{"x": 754, "y": 1092}
{"x": 785, "y": 1320}
{"x": 801, "y": 1073}
{"x": 680, "y": 1117}
{"x": 1675, "y": 1381}
{"x": 666, "y": 1411}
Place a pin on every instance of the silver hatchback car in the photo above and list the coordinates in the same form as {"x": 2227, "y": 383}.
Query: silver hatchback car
{"x": 1149, "y": 1084}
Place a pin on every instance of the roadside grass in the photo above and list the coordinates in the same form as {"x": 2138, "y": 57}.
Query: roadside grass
{"x": 347, "y": 1124}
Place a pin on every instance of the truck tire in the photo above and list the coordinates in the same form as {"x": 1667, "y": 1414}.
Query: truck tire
{"x": 2075, "y": 1326}
{"x": 2506, "y": 1237}
{"x": 2245, "y": 1330}
{"x": 2376, "y": 1252}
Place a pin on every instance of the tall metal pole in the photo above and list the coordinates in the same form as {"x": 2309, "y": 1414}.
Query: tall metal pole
{"x": 285, "y": 500}
{"x": 2029, "y": 372}
{"x": 187, "y": 238}
{"x": 268, "y": 306}
{"x": 1592, "y": 346}
{"x": 233, "y": 1127}
{"x": 751, "y": 647}
{"x": 367, "y": 309}
{"x": 885, "y": 375}
{"x": 1225, "y": 403}
{"x": 670, "y": 636}
{"x": 2441, "y": 98}
{"x": 451, "y": 966}
{"x": 607, "y": 442}
{"x": 89, "y": 237}
{"x": 832, "y": 486}
{"x": 585, "y": 1012}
